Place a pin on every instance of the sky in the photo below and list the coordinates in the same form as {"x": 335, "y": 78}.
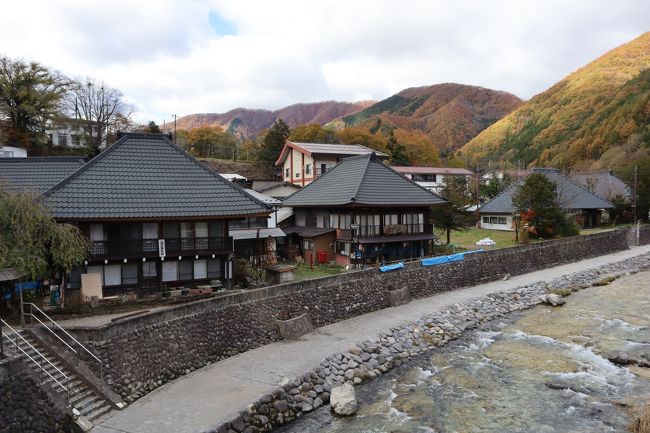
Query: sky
{"x": 196, "y": 56}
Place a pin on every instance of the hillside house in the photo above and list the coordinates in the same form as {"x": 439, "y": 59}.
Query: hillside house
{"x": 587, "y": 208}
{"x": 604, "y": 184}
{"x": 257, "y": 236}
{"x": 360, "y": 211}
{"x": 433, "y": 178}
{"x": 302, "y": 163}
{"x": 154, "y": 215}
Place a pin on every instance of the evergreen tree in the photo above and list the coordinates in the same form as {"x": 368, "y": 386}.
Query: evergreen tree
{"x": 536, "y": 200}
{"x": 397, "y": 151}
{"x": 153, "y": 128}
{"x": 273, "y": 142}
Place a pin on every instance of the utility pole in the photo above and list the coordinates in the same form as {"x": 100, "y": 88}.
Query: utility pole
{"x": 478, "y": 199}
{"x": 175, "y": 116}
{"x": 634, "y": 202}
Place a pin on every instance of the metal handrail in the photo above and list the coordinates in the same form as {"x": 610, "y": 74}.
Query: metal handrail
{"x": 40, "y": 366}
{"x": 101, "y": 364}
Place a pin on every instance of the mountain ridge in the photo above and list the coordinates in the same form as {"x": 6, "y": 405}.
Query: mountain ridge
{"x": 583, "y": 121}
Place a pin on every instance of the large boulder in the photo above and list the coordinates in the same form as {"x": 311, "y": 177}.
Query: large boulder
{"x": 343, "y": 400}
{"x": 553, "y": 299}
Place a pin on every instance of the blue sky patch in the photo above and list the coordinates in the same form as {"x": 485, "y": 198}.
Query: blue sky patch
{"x": 221, "y": 26}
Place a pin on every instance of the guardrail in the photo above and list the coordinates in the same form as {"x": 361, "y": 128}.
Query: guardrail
{"x": 73, "y": 341}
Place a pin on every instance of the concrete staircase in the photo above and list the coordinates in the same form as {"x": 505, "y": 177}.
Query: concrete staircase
{"x": 80, "y": 396}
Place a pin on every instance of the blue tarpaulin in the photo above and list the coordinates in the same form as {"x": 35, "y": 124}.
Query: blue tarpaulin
{"x": 447, "y": 259}
{"x": 388, "y": 268}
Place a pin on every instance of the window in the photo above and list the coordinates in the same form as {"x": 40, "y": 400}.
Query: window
{"x": 112, "y": 275}
{"x": 298, "y": 175}
{"x": 172, "y": 230}
{"x": 286, "y": 173}
{"x": 200, "y": 269}
{"x": 495, "y": 220}
{"x": 201, "y": 230}
{"x": 150, "y": 231}
{"x": 307, "y": 244}
{"x": 214, "y": 268}
{"x": 75, "y": 140}
{"x": 216, "y": 230}
{"x": 308, "y": 169}
{"x": 170, "y": 271}
{"x": 187, "y": 230}
{"x": 323, "y": 168}
{"x": 310, "y": 219}
{"x": 62, "y": 140}
{"x": 130, "y": 273}
{"x": 343, "y": 248}
{"x": 185, "y": 268}
{"x": 149, "y": 269}
{"x": 96, "y": 232}
{"x": 334, "y": 221}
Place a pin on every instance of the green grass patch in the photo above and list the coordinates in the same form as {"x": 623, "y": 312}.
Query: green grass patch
{"x": 303, "y": 272}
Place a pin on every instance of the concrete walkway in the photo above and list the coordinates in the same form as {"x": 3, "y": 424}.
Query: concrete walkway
{"x": 213, "y": 394}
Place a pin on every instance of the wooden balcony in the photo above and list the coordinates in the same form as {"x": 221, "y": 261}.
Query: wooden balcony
{"x": 149, "y": 247}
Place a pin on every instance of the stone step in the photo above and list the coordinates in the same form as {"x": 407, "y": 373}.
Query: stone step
{"x": 89, "y": 401}
{"x": 97, "y": 414}
{"x": 93, "y": 407}
{"x": 78, "y": 397}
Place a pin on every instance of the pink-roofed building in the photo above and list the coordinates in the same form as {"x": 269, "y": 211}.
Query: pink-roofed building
{"x": 432, "y": 178}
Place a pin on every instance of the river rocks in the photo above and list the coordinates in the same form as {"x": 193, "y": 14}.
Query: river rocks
{"x": 343, "y": 400}
{"x": 553, "y": 299}
{"x": 639, "y": 357}
{"x": 378, "y": 355}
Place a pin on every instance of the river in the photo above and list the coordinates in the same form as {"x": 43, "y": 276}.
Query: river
{"x": 543, "y": 370}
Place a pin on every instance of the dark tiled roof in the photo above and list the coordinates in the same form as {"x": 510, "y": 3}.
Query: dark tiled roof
{"x": 603, "y": 183}
{"x": 37, "y": 173}
{"x": 148, "y": 176}
{"x": 307, "y": 232}
{"x": 432, "y": 170}
{"x": 362, "y": 180}
{"x": 570, "y": 195}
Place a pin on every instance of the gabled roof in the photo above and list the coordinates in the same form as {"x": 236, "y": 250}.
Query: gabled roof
{"x": 362, "y": 180}
{"x": 263, "y": 197}
{"x": 603, "y": 183}
{"x": 432, "y": 170}
{"x": 38, "y": 173}
{"x": 311, "y": 149}
{"x": 147, "y": 176}
{"x": 570, "y": 195}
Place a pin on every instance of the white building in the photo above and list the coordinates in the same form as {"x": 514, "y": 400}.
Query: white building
{"x": 432, "y": 178}
{"x": 70, "y": 133}
{"x": 12, "y": 152}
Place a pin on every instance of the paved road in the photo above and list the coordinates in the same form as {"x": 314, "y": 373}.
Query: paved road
{"x": 211, "y": 395}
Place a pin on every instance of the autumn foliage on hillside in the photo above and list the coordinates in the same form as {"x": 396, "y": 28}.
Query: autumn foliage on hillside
{"x": 448, "y": 114}
{"x": 596, "y": 117}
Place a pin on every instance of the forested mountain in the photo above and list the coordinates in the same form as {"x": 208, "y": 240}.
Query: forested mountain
{"x": 596, "y": 117}
{"x": 450, "y": 114}
{"x": 247, "y": 123}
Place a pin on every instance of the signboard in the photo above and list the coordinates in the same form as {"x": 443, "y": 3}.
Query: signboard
{"x": 162, "y": 252}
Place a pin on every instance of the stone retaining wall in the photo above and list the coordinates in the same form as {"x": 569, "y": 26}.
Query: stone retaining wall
{"x": 25, "y": 406}
{"x": 372, "y": 358}
{"x": 145, "y": 352}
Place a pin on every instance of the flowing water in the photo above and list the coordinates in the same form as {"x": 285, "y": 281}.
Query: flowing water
{"x": 542, "y": 370}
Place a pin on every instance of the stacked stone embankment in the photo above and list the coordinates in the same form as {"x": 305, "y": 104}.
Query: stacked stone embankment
{"x": 145, "y": 352}
{"x": 25, "y": 406}
{"x": 374, "y": 357}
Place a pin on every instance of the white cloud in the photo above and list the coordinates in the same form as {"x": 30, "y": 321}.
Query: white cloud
{"x": 166, "y": 58}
